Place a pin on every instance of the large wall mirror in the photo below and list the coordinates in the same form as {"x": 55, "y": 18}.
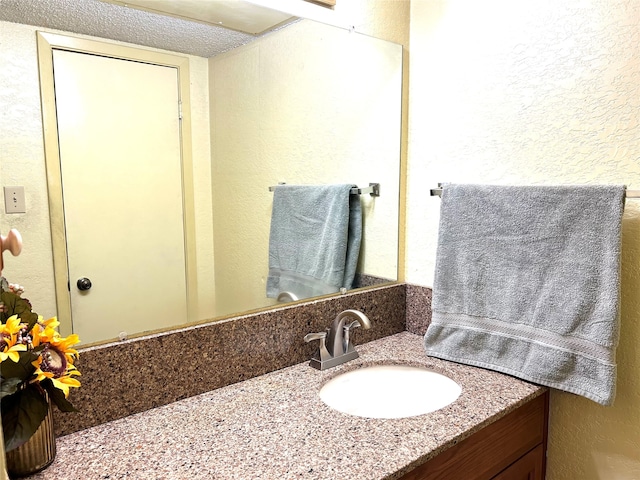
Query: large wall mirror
{"x": 306, "y": 103}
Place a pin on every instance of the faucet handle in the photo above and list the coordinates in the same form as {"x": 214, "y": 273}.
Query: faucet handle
{"x": 322, "y": 336}
{"x": 348, "y": 346}
{"x": 309, "y": 337}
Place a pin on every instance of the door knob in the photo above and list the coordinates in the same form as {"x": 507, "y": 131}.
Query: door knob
{"x": 83, "y": 283}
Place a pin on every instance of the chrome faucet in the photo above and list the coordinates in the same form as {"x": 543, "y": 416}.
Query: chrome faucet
{"x": 335, "y": 343}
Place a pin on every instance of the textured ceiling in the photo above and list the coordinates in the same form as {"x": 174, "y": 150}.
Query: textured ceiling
{"x": 106, "y": 20}
{"x": 237, "y": 15}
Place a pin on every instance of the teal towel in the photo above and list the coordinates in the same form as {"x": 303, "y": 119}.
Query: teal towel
{"x": 527, "y": 283}
{"x": 314, "y": 241}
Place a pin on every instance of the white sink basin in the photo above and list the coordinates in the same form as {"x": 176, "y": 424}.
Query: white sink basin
{"x": 389, "y": 391}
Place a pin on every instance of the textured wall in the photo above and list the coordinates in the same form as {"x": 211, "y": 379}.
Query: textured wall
{"x": 535, "y": 93}
{"x": 22, "y": 163}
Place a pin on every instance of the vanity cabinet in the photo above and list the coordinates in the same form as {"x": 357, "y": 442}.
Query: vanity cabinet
{"x": 512, "y": 448}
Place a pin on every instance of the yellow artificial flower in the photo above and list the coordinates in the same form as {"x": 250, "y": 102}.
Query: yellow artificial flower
{"x": 52, "y": 322}
{"x": 11, "y": 349}
{"x": 62, "y": 382}
{"x": 9, "y": 346}
{"x": 64, "y": 345}
{"x": 38, "y": 334}
{"x": 56, "y": 358}
{"x": 45, "y": 332}
{"x": 12, "y": 327}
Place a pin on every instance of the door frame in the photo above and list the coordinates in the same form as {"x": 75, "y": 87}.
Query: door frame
{"x": 47, "y": 42}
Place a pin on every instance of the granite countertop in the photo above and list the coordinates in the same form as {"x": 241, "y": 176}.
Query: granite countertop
{"x": 276, "y": 426}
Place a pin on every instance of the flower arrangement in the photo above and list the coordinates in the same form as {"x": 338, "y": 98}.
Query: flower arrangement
{"x": 35, "y": 362}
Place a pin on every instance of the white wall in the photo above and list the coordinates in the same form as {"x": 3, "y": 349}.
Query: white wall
{"x": 541, "y": 92}
{"x": 22, "y": 163}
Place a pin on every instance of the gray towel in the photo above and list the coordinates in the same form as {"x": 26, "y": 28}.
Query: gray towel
{"x": 314, "y": 241}
{"x": 527, "y": 283}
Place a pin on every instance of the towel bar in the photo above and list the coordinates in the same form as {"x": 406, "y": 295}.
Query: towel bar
{"x": 373, "y": 189}
{"x": 438, "y": 192}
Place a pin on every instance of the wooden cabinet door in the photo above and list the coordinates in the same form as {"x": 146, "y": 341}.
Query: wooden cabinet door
{"x": 529, "y": 467}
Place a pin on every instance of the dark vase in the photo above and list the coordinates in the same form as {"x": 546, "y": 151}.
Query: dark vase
{"x": 35, "y": 454}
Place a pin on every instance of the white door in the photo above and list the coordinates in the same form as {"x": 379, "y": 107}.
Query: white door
{"x": 119, "y": 137}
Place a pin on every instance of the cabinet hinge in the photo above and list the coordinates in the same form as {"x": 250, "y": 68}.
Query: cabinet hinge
{"x": 180, "y": 110}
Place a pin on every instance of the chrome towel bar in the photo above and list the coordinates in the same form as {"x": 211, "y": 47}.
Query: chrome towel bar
{"x": 373, "y": 189}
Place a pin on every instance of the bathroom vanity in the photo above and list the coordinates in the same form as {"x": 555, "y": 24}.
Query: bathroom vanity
{"x": 276, "y": 426}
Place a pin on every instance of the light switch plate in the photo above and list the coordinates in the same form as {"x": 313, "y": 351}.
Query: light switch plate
{"x": 14, "y": 200}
